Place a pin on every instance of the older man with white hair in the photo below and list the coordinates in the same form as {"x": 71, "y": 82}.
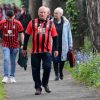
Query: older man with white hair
{"x": 64, "y": 41}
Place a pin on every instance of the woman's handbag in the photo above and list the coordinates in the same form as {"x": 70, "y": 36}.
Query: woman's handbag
{"x": 71, "y": 58}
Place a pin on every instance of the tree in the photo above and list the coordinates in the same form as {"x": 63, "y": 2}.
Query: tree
{"x": 93, "y": 12}
{"x": 35, "y": 4}
{"x": 77, "y": 15}
{"x": 52, "y": 4}
{"x": 33, "y": 7}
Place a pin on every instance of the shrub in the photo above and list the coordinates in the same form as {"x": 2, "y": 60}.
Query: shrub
{"x": 88, "y": 72}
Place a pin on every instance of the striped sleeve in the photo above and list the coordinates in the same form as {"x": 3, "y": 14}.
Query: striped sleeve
{"x": 20, "y": 27}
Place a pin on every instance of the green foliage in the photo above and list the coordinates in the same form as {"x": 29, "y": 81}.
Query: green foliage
{"x": 88, "y": 72}
{"x": 2, "y": 91}
{"x": 25, "y": 2}
{"x": 72, "y": 14}
{"x": 87, "y": 45}
{"x": 17, "y": 2}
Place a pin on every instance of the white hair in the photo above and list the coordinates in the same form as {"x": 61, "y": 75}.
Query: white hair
{"x": 59, "y": 9}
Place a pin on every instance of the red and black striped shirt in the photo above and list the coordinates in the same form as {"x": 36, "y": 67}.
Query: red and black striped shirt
{"x": 10, "y": 31}
{"x": 42, "y": 34}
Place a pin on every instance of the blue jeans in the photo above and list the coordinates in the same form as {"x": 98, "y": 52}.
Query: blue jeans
{"x": 9, "y": 56}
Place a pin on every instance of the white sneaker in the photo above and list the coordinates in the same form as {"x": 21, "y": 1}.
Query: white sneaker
{"x": 5, "y": 79}
{"x": 12, "y": 80}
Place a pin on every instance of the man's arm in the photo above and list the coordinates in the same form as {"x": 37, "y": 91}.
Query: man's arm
{"x": 55, "y": 46}
{"x": 22, "y": 38}
{"x": 26, "y": 41}
{"x": 26, "y": 38}
{"x": 55, "y": 43}
{"x": 0, "y": 34}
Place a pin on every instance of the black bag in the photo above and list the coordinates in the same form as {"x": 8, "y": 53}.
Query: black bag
{"x": 22, "y": 61}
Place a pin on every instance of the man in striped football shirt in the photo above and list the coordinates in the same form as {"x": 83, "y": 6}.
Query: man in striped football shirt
{"x": 10, "y": 28}
{"x": 42, "y": 31}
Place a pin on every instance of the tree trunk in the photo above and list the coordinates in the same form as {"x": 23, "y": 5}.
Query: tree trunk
{"x": 93, "y": 12}
{"x": 33, "y": 7}
{"x": 52, "y": 4}
{"x": 35, "y": 4}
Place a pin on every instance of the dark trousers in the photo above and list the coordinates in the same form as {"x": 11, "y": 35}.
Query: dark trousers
{"x": 58, "y": 68}
{"x": 58, "y": 65}
{"x": 36, "y": 66}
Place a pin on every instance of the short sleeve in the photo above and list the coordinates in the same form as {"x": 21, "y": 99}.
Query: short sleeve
{"x": 29, "y": 28}
{"x": 20, "y": 27}
{"x": 53, "y": 30}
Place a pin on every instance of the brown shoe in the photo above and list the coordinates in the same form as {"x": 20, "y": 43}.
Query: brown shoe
{"x": 38, "y": 92}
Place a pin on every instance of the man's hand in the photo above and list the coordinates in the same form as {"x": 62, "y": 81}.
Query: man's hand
{"x": 22, "y": 11}
{"x": 21, "y": 46}
{"x": 55, "y": 53}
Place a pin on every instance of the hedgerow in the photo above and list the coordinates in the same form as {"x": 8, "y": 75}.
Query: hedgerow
{"x": 87, "y": 72}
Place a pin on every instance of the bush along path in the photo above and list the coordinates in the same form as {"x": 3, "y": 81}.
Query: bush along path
{"x": 88, "y": 72}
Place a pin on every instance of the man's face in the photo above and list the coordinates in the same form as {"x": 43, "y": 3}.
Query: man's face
{"x": 57, "y": 15}
{"x": 42, "y": 13}
{"x": 9, "y": 18}
{"x": 23, "y": 10}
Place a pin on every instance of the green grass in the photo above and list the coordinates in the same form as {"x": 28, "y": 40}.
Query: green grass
{"x": 2, "y": 91}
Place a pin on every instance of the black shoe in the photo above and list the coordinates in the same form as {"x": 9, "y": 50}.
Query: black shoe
{"x": 56, "y": 78}
{"x": 61, "y": 77}
{"x": 47, "y": 89}
{"x": 38, "y": 91}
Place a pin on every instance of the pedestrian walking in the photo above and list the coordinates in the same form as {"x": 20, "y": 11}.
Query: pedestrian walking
{"x": 24, "y": 17}
{"x": 10, "y": 28}
{"x": 65, "y": 42}
{"x": 42, "y": 31}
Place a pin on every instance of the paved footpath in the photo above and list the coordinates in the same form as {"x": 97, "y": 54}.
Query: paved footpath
{"x": 67, "y": 89}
